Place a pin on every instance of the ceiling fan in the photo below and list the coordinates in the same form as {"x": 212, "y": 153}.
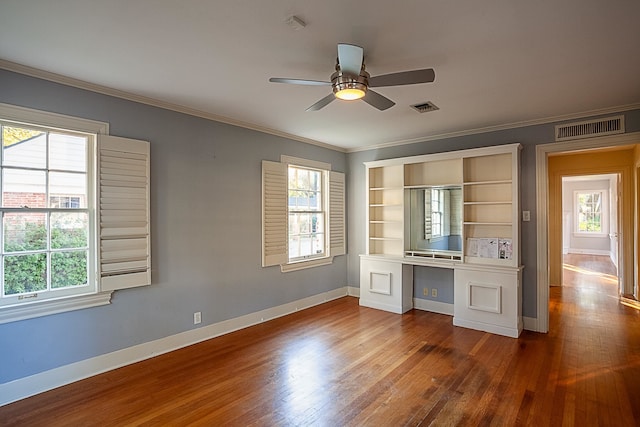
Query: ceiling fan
{"x": 351, "y": 81}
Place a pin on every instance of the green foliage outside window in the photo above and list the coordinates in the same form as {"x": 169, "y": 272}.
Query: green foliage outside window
{"x": 25, "y": 273}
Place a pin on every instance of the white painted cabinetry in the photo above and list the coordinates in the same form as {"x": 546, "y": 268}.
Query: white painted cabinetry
{"x": 487, "y": 270}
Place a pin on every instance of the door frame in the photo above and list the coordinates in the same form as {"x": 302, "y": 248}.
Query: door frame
{"x": 542, "y": 201}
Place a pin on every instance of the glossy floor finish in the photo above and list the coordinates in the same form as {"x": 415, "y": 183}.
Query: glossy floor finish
{"x": 339, "y": 364}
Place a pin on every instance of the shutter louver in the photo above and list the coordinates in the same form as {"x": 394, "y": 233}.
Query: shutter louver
{"x": 125, "y": 258}
{"x": 337, "y": 239}
{"x": 274, "y": 213}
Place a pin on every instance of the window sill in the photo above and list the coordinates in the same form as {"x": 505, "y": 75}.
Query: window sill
{"x": 301, "y": 265}
{"x": 587, "y": 234}
{"x": 45, "y": 308}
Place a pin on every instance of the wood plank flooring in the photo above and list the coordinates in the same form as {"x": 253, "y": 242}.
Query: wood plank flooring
{"x": 339, "y": 364}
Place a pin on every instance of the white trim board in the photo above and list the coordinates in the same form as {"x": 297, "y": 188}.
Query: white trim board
{"x": 433, "y": 306}
{"x": 57, "y": 377}
{"x": 542, "y": 196}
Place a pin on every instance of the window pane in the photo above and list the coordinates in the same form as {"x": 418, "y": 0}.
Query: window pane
{"x": 25, "y": 231}
{"x": 69, "y": 230}
{"x": 306, "y": 217}
{"x": 67, "y": 190}
{"x": 23, "y": 188}
{"x": 67, "y": 152}
{"x": 25, "y": 273}
{"x": 24, "y": 147}
{"x": 68, "y": 269}
{"x": 589, "y": 212}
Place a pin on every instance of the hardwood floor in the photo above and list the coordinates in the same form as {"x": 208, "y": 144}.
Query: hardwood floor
{"x": 340, "y": 364}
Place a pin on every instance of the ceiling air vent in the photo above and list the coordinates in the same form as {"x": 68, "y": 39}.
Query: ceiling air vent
{"x": 425, "y": 107}
{"x": 590, "y": 128}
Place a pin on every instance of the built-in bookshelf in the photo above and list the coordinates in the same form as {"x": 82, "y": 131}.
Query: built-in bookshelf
{"x": 386, "y": 210}
{"x": 490, "y": 209}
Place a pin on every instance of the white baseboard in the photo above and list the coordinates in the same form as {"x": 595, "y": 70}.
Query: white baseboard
{"x": 434, "y": 306}
{"x": 530, "y": 324}
{"x": 381, "y": 306}
{"x": 353, "y": 291}
{"x": 589, "y": 251}
{"x": 487, "y": 327}
{"x": 48, "y": 380}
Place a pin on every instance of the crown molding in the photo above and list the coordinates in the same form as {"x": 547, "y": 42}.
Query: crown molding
{"x": 104, "y": 90}
{"x": 514, "y": 125}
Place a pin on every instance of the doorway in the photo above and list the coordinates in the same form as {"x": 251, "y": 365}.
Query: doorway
{"x": 554, "y": 160}
{"x": 590, "y": 237}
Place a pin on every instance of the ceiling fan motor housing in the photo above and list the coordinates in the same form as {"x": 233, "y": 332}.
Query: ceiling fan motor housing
{"x": 348, "y": 83}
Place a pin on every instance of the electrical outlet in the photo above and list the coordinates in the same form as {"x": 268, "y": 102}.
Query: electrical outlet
{"x": 197, "y": 317}
{"x": 425, "y": 292}
{"x": 434, "y": 293}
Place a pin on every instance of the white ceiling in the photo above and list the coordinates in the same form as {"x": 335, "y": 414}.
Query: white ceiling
{"x": 497, "y": 62}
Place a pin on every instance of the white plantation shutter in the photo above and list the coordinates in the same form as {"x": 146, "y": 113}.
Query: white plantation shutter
{"x": 446, "y": 209}
{"x": 274, "y": 213}
{"x": 336, "y": 214}
{"x": 123, "y": 213}
{"x": 427, "y": 214}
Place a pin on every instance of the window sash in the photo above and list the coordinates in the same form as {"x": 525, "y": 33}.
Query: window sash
{"x": 34, "y": 152}
{"x": 313, "y": 242}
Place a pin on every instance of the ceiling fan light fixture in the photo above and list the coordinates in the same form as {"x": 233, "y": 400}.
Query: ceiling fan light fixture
{"x": 349, "y": 88}
{"x": 350, "y": 93}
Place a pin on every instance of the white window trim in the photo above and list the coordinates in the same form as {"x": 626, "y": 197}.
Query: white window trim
{"x": 53, "y": 306}
{"x": 604, "y": 212}
{"x": 102, "y": 290}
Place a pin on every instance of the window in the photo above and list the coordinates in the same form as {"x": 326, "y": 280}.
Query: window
{"x": 589, "y": 213}
{"x": 45, "y": 239}
{"x": 306, "y": 213}
{"x": 302, "y": 213}
{"x": 61, "y": 249}
{"x": 437, "y": 206}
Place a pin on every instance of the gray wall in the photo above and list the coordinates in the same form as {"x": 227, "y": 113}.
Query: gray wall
{"x": 205, "y": 211}
{"x": 529, "y": 137}
{"x": 206, "y": 232}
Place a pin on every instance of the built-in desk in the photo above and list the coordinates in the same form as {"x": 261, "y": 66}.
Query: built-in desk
{"x": 486, "y": 298}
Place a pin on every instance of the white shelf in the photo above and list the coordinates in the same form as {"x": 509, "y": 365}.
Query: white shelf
{"x": 500, "y": 181}
{"x": 487, "y": 223}
{"x": 385, "y": 188}
{"x": 409, "y": 187}
{"x": 504, "y": 202}
{"x": 390, "y": 239}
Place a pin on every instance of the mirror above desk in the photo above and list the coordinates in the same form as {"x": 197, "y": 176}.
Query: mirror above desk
{"x": 435, "y": 222}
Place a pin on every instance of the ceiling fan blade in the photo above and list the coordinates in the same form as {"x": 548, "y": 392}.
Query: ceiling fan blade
{"x": 299, "y": 81}
{"x": 322, "y": 103}
{"x": 350, "y": 58}
{"x": 378, "y": 101}
{"x": 403, "y": 78}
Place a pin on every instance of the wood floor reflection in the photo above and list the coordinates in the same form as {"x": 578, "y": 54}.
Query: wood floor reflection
{"x": 341, "y": 364}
